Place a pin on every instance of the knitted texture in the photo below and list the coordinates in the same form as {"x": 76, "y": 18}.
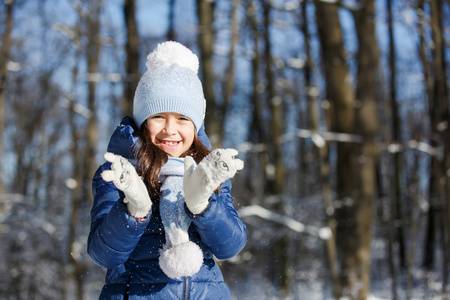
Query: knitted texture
{"x": 124, "y": 176}
{"x": 170, "y": 84}
{"x": 201, "y": 181}
{"x": 179, "y": 257}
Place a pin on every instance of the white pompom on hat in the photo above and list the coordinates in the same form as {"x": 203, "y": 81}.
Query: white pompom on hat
{"x": 170, "y": 84}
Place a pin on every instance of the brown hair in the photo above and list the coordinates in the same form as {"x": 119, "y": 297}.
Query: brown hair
{"x": 150, "y": 159}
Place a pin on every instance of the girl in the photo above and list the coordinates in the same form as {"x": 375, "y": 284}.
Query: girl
{"x": 158, "y": 218}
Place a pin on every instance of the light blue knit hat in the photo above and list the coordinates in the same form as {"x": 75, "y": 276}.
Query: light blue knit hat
{"x": 170, "y": 84}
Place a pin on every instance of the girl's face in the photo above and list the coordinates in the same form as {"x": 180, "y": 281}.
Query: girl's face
{"x": 171, "y": 132}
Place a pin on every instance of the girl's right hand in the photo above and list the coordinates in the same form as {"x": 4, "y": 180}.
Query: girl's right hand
{"x": 125, "y": 178}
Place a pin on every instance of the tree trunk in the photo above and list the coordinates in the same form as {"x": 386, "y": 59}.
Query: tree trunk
{"x": 430, "y": 230}
{"x": 414, "y": 216}
{"x": 323, "y": 153}
{"x": 365, "y": 156}
{"x": 338, "y": 90}
{"x": 132, "y": 57}
{"x": 392, "y": 233}
{"x": 257, "y": 135}
{"x": 396, "y": 190}
{"x": 4, "y": 56}
{"x": 355, "y": 163}
{"x": 230, "y": 78}
{"x": 77, "y": 176}
{"x": 171, "y": 31}
{"x": 275, "y": 184}
{"x": 441, "y": 122}
{"x": 213, "y": 118}
{"x": 92, "y": 57}
{"x": 88, "y": 166}
{"x": 439, "y": 137}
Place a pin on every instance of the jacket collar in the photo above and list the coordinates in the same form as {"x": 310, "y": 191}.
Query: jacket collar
{"x": 123, "y": 141}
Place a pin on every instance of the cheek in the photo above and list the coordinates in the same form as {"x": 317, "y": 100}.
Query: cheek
{"x": 191, "y": 138}
{"x": 153, "y": 138}
{"x": 188, "y": 134}
{"x": 152, "y": 131}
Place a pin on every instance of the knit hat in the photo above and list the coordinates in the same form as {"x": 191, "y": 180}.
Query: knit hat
{"x": 170, "y": 84}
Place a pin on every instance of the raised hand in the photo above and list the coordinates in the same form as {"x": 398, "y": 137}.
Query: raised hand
{"x": 201, "y": 181}
{"x": 124, "y": 176}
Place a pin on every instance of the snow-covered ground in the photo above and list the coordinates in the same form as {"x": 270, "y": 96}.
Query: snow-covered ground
{"x": 29, "y": 258}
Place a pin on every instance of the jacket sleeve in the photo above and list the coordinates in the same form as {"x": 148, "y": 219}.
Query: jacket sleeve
{"x": 114, "y": 233}
{"x": 219, "y": 226}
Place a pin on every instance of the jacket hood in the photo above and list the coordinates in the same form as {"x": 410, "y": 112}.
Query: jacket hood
{"x": 124, "y": 141}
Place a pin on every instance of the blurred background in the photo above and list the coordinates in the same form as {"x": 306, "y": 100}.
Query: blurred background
{"x": 340, "y": 110}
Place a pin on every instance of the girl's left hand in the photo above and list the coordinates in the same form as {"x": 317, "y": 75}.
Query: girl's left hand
{"x": 200, "y": 182}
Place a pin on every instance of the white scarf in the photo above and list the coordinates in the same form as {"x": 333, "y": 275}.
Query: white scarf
{"x": 179, "y": 257}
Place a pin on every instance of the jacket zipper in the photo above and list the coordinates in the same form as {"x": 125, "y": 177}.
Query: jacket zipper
{"x": 186, "y": 288}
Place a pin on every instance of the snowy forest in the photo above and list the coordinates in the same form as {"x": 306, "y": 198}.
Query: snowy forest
{"x": 339, "y": 108}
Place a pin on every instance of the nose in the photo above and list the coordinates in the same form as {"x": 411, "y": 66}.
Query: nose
{"x": 170, "y": 126}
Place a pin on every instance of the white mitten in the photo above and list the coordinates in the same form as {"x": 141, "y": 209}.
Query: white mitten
{"x": 200, "y": 182}
{"x": 124, "y": 176}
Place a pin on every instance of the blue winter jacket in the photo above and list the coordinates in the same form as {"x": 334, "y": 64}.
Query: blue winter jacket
{"x": 129, "y": 249}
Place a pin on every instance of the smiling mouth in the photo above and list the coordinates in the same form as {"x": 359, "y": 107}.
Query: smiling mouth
{"x": 169, "y": 143}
